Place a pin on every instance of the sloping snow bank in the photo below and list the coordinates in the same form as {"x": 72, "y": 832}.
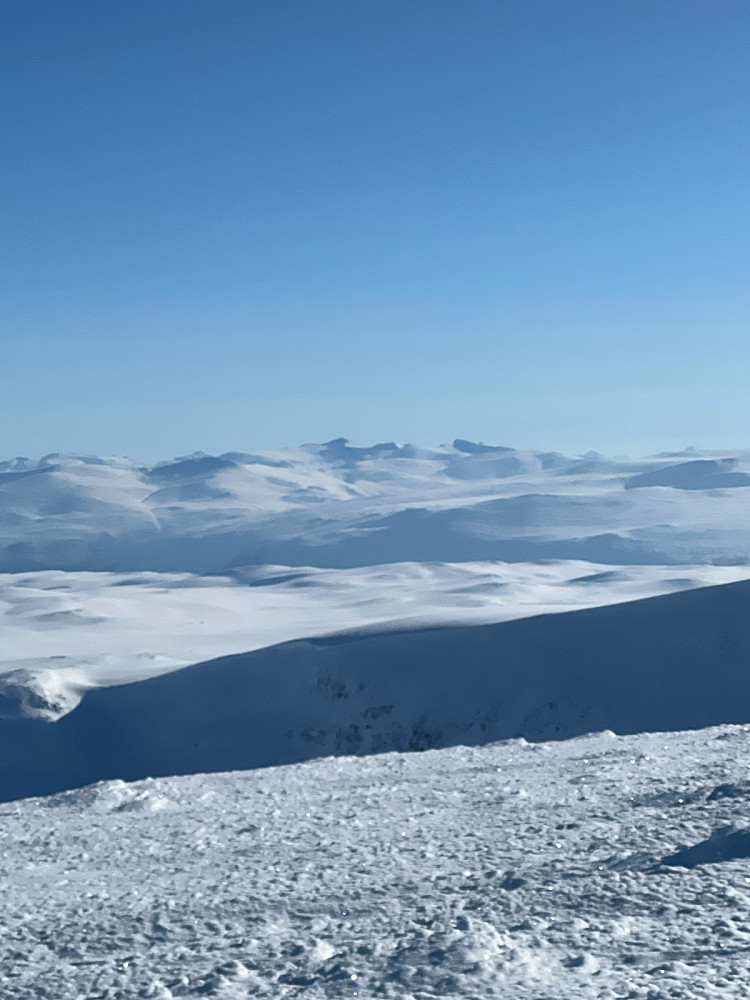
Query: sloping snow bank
{"x": 679, "y": 661}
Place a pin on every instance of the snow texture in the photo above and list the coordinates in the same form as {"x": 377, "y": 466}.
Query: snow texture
{"x": 513, "y": 871}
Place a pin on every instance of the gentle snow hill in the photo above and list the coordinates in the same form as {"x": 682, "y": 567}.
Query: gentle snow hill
{"x": 596, "y": 869}
{"x": 338, "y": 506}
{"x": 672, "y": 662}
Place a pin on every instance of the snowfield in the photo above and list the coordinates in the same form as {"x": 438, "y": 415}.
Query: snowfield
{"x": 73, "y": 631}
{"x": 514, "y": 871}
{"x": 675, "y": 661}
{"x": 277, "y": 707}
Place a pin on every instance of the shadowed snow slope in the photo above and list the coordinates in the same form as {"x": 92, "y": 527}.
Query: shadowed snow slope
{"x": 673, "y": 662}
{"x": 65, "y": 632}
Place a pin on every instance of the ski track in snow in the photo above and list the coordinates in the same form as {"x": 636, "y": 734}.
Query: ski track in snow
{"x": 514, "y": 870}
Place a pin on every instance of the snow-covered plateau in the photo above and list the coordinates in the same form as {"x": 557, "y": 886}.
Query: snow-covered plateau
{"x": 182, "y": 643}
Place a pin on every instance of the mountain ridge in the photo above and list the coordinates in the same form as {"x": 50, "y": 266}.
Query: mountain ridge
{"x": 671, "y": 662}
{"x": 338, "y": 505}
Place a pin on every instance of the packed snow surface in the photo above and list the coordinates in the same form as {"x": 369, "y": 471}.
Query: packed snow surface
{"x": 600, "y": 868}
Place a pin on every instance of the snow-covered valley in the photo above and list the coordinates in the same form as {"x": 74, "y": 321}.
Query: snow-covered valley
{"x": 115, "y": 571}
{"x": 670, "y": 662}
{"x": 73, "y": 631}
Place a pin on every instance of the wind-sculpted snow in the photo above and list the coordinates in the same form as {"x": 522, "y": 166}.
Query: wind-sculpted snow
{"x": 726, "y": 843}
{"x": 335, "y": 505}
{"x": 672, "y": 662}
{"x": 513, "y": 871}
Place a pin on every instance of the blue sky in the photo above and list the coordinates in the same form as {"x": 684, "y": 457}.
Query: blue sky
{"x": 247, "y": 224}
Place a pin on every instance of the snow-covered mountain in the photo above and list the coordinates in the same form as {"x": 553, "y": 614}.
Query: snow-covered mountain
{"x": 338, "y": 506}
{"x": 246, "y": 611}
{"x": 671, "y": 662}
{"x": 119, "y": 574}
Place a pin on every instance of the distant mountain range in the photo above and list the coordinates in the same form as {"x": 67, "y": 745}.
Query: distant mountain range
{"x": 336, "y": 505}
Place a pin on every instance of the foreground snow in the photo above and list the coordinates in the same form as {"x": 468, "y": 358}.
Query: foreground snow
{"x": 508, "y": 871}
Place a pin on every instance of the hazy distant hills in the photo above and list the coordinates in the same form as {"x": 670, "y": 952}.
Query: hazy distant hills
{"x": 335, "y": 505}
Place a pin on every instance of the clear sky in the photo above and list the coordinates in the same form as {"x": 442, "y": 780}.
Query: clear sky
{"x": 248, "y": 223}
